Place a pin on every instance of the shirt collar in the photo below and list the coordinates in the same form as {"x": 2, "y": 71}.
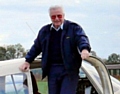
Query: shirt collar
{"x": 60, "y": 27}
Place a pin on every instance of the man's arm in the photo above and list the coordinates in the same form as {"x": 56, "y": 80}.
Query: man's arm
{"x": 82, "y": 42}
{"x": 31, "y": 55}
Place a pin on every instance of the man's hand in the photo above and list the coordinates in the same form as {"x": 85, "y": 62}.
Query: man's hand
{"x": 84, "y": 54}
{"x": 24, "y": 67}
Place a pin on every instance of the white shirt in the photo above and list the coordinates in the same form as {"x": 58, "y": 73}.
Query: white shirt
{"x": 60, "y": 27}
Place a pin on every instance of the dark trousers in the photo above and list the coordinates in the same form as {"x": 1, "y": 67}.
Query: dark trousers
{"x": 59, "y": 82}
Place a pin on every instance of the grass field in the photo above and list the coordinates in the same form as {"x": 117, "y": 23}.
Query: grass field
{"x": 43, "y": 87}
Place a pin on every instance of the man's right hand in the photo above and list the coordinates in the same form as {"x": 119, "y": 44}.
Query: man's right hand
{"x": 25, "y": 67}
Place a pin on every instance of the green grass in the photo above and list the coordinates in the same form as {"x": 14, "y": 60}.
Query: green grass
{"x": 43, "y": 87}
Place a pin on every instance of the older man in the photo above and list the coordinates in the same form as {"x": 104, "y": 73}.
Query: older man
{"x": 63, "y": 45}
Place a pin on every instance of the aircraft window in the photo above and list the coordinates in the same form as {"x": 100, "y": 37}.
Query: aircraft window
{"x": 94, "y": 74}
{"x": 13, "y": 84}
{"x": 88, "y": 84}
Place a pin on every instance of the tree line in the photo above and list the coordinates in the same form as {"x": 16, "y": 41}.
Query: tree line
{"x": 18, "y": 51}
{"x": 112, "y": 58}
{"x": 12, "y": 52}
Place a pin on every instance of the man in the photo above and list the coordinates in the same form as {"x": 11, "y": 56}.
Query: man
{"x": 63, "y": 45}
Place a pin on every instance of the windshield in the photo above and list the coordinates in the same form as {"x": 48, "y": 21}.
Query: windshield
{"x": 13, "y": 84}
{"x": 95, "y": 79}
{"x": 92, "y": 75}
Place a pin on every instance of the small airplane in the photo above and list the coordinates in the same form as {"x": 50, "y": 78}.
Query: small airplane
{"x": 93, "y": 77}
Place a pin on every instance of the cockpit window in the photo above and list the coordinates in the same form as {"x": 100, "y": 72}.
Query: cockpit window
{"x": 13, "y": 84}
{"x": 91, "y": 71}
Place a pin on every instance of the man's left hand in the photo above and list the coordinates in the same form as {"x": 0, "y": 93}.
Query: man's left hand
{"x": 84, "y": 54}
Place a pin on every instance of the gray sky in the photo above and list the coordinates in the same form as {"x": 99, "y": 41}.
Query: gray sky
{"x": 100, "y": 20}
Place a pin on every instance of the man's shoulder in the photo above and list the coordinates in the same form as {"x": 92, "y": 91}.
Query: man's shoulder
{"x": 71, "y": 23}
{"x": 47, "y": 26}
{"x": 44, "y": 29}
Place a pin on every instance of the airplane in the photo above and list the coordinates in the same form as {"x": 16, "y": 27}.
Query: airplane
{"x": 94, "y": 77}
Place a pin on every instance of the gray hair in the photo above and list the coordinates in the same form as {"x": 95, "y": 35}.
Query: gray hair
{"x": 56, "y": 7}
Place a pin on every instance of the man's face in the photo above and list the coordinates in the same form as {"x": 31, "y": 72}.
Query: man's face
{"x": 57, "y": 17}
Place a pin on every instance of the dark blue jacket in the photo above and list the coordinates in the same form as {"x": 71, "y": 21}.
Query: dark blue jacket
{"x": 73, "y": 41}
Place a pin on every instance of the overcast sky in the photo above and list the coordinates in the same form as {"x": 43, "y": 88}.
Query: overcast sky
{"x": 20, "y": 21}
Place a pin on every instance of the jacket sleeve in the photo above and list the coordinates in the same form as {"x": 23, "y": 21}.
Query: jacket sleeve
{"x": 81, "y": 39}
{"x": 34, "y": 51}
